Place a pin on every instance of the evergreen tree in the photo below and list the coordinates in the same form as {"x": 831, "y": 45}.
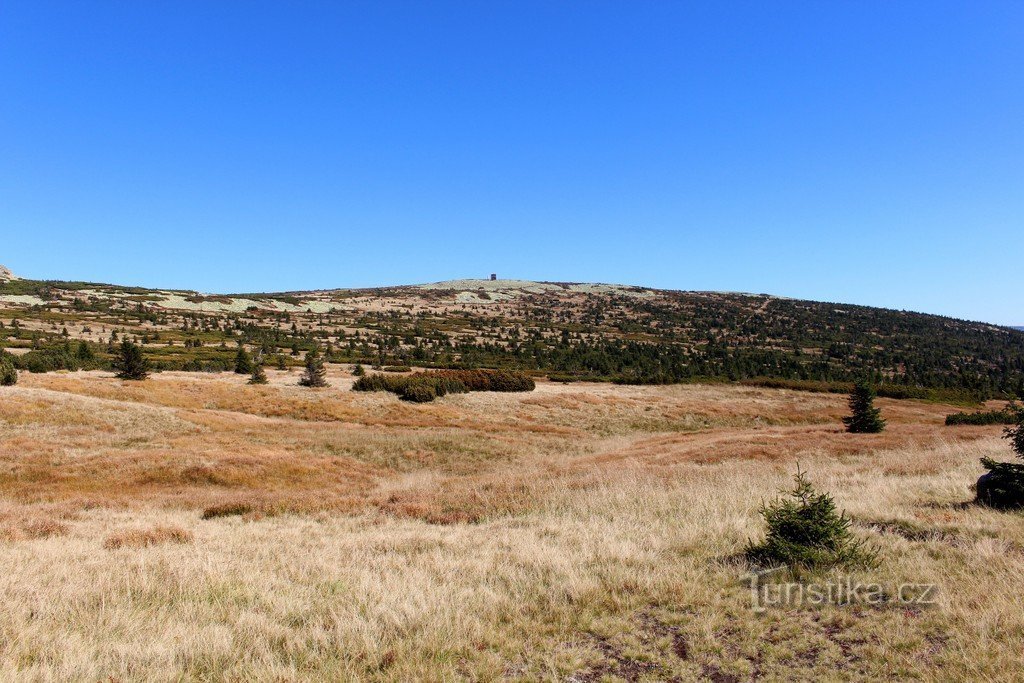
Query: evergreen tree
{"x": 866, "y": 418}
{"x": 315, "y": 374}
{"x": 130, "y": 363}
{"x": 243, "y": 362}
{"x": 806, "y": 532}
{"x": 84, "y": 352}
{"x": 258, "y": 375}
{"x": 8, "y": 373}
{"x": 1015, "y": 433}
{"x": 358, "y": 370}
{"x": 1003, "y": 485}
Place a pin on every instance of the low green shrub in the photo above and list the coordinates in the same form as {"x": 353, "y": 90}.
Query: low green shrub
{"x": 990, "y": 417}
{"x": 897, "y": 391}
{"x": 418, "y": 392}
{"x": 420, "y": 388}
{"x": 396, "y": 368}
{"x": 47, "y": 360}
{"x": 488, "y": 380}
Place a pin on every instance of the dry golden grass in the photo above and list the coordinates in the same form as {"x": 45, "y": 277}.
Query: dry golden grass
{"x": 194, "y": 528}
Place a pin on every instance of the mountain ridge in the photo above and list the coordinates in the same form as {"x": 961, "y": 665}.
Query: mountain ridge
{"x": 572, "y": 331}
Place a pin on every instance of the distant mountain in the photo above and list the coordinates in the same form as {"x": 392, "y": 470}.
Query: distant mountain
{"x": 567, "y": 330}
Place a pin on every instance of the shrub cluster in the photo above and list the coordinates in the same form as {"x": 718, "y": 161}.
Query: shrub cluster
{"x": 423, "y": 387}
{"x": 897, "y": 391}
{"x": 990, "y": 417}
{"x": 419, "y": 388}
{"x": 488, "y": 380}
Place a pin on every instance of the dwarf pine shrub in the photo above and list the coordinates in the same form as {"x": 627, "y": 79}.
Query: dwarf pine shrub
{"x": 990, "y": 417}
{"x": 420, "y": 388}
{"x": 488, "y": 380}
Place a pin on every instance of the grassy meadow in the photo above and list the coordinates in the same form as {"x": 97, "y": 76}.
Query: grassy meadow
{"x": 192, "y": 527}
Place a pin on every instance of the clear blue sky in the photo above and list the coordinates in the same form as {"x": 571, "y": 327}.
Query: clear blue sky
{"x": 865, "y": 152}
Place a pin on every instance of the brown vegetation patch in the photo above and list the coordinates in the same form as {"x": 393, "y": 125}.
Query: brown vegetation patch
{"x": 144, "y": 538}
{"x": 30, "y": 528}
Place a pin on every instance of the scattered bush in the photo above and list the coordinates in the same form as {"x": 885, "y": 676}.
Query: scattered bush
{"x": 396, "y": 368}
{"x": 806, "y": 533}
{"x": 1003, "y": 486}
{"x": 144, "y": 538}
{"x": 990, "y": 417}
{"x": 865, "y": 418}
{"x": 358, "y": 370}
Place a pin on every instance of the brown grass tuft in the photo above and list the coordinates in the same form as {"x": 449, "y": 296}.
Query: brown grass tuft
{"x": 232, "y": 509}
{"x": 29, "y": 528}
{"x": 144, "y": 538}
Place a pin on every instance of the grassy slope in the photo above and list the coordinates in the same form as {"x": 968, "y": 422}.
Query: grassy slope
{"x": 607, "y": 523}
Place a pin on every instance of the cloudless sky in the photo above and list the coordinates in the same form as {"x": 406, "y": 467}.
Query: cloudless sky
{"x": 864, "y": 152}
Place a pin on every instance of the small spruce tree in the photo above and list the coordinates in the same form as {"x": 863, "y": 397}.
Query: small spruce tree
{"x": 84, "y": 352}
{"x": 8, "y": 373}
{"x": 315, "y": 374}
{"x": 130, "y": 363}
{"x": 1003, "y": 485}
{"x": 865, "y": 417}
{"x": 805, "y": 532}
{"x": 243, "y": 362}
{"x": 258, "y": 375}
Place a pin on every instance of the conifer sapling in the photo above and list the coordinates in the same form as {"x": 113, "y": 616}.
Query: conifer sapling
{"x": 865, "y": 417}
{"x": 315, "y": 375}
{"x": 130, "y": 363}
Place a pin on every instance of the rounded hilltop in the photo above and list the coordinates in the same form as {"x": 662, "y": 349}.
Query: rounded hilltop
{"x": 512, "y": 288}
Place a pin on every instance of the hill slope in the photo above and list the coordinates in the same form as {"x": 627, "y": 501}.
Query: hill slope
{"x": 571, "y": 330}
